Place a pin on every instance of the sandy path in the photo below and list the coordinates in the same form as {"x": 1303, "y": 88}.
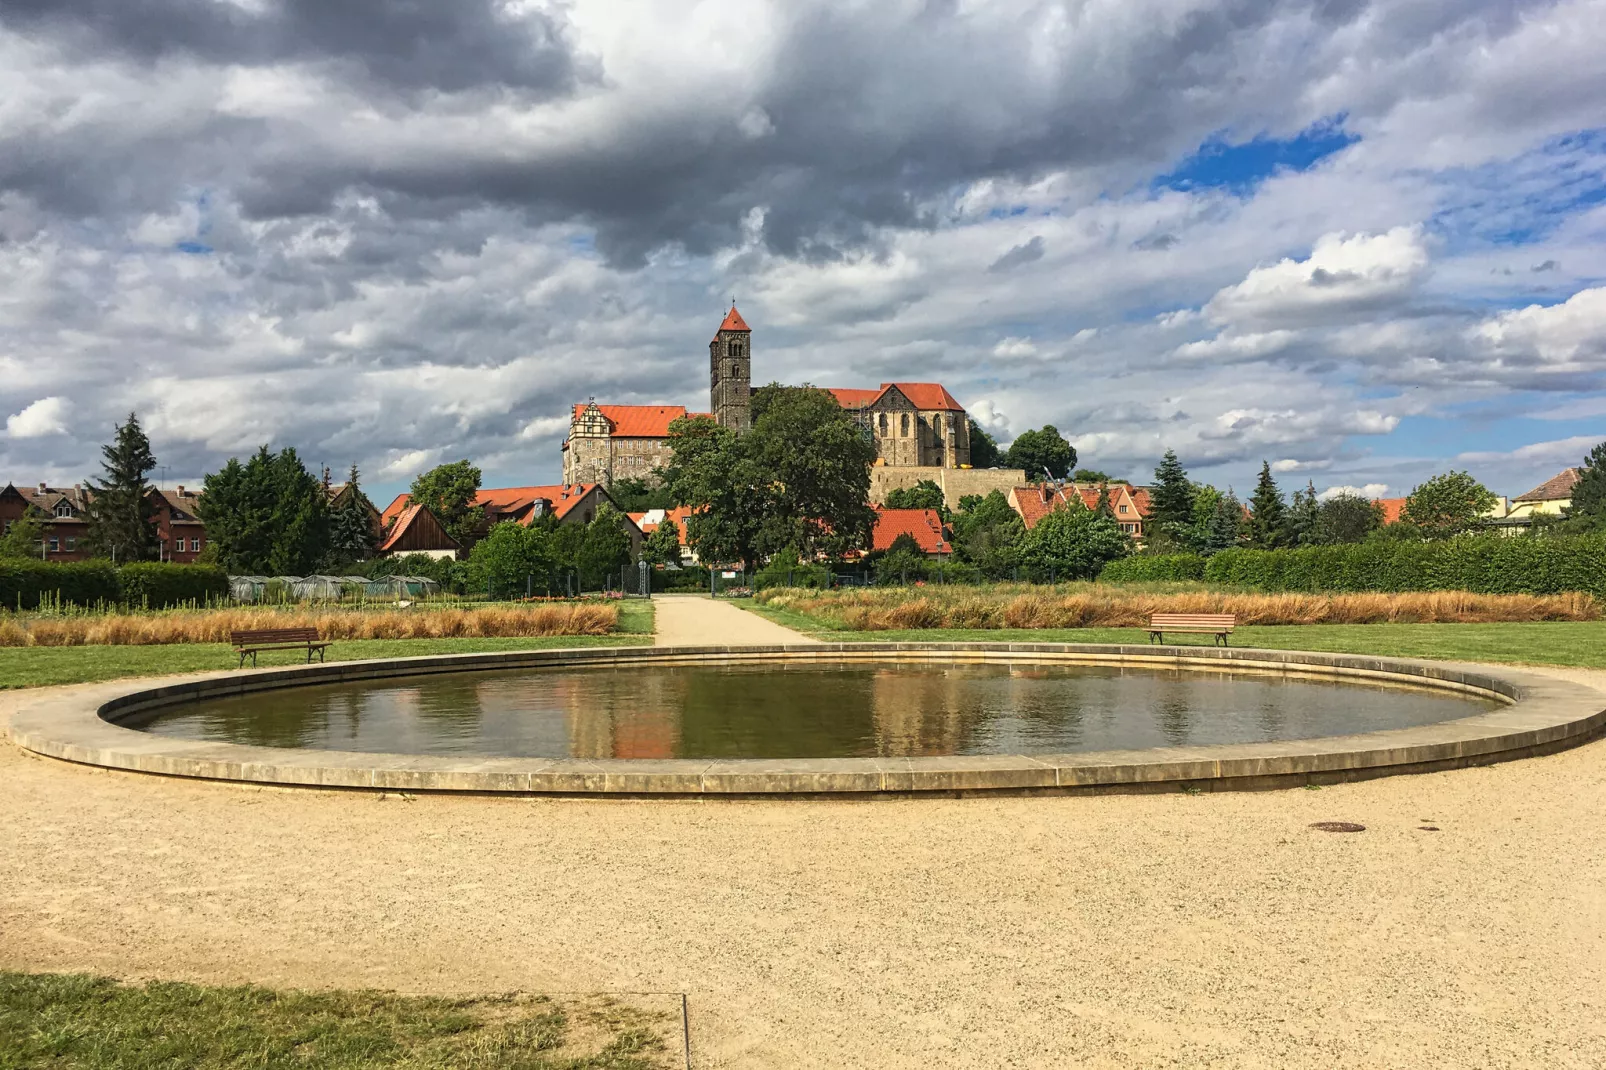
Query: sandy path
{"x": 695, "y": 620}
{"x": 1102, "y": 932}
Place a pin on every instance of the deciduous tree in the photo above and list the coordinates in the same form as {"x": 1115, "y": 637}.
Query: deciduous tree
{"x": 1449, "y": 504}
{"x": 1040, "y": 451}
{"x": 1074, "y": 542}
{"x": 449, "y": 490}
{"x": 984, "y": 451}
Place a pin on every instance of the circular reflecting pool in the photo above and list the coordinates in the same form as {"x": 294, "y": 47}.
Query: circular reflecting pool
{"x": 806, "y": 710}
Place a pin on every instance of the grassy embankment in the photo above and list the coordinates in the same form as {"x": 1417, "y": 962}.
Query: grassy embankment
{"x": 75, "y": 1022}
{"x": 1564, "y": 630}
{"x": 39, "y": 666}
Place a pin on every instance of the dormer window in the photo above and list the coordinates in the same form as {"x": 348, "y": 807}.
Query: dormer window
{"x": 63, "y": 509}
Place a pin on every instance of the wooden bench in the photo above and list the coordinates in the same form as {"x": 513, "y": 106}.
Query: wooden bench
{"x": 1219, "y": 625}
{"x": 277, "y": 639}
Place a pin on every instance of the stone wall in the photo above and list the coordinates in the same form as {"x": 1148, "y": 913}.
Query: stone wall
{"x": 956, "y": 483}
{"x": 603, "y": 460}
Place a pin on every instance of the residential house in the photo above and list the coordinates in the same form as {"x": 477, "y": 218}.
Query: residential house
{"x": 1128, "y": 503}
{"x": 649, "y": 521}
{"x": 181, "y": 536}
{"x": 922, "y": 525}
{"x": 569, "y": 503}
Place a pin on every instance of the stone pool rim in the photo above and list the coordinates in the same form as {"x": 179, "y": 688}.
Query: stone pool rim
{"x": 1540, "y": 714}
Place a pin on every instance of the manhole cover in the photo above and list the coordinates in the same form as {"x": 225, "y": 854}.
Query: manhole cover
{"x": 1337, "y": 826}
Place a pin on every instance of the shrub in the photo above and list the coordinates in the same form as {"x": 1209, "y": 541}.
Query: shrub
{"x": 1483, "y": 564}
{"x": 159, "y": 585}
{"x": 24, "y": 584}
{"x": 1150, "y": 568}
{"x": 786, "y": 570}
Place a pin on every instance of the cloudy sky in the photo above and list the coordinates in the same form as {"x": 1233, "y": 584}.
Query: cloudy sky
{"x": 1361, "y": 240}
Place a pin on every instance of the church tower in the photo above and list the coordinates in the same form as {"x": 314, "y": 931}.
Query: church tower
{"x": 730, "y": 358}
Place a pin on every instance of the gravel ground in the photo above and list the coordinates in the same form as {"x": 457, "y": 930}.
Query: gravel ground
{"x": 696, "y": 620}
{"x": 1126, "y": 931}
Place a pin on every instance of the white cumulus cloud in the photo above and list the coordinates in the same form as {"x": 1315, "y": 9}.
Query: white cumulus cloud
{"x": 47, "y": 416}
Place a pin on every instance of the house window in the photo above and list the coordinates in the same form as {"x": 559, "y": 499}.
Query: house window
{"x": 905, "y": 425}
{"x": 72, "y": 544}
{"x": 883, "y": 423}
{"x": 55, "y": 544}
{"x": 63, "y": 509}
{"x": 936, "y": 424}
{"x": 734, "y": 371}
{"x": 1123, "y": 508}
{"x": 195, "y": 546}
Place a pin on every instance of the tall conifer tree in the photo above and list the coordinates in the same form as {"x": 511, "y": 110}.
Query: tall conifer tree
{"x": 121, "y": 515}
{"x": 1171, "y": 500}
{"x": 1268, "y": 519}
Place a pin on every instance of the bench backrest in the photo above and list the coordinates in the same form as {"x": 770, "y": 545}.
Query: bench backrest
{"x": 1225, "y": 621}
{"x": 275, "y": 635}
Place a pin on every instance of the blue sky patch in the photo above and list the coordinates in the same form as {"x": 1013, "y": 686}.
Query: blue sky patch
{"x": 194, "y": 248}
{"x": 1220, "y": 164}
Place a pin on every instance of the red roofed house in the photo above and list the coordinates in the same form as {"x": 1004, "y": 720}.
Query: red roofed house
{"x": 912, "y": 424}
{"x": 180, "y": 534}
{"x": 922, "y": 525}
{"x": 569, "y": 503}
{"x": 649, "y": 521}
{"x": 1129, "y": 504}
{"x": 1391, "y": 507}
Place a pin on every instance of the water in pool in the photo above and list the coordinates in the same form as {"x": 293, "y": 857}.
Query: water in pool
{"x": 814, "y": 710}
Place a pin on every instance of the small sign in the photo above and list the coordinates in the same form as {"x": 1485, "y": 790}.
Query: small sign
{"x": 727, "y": 575}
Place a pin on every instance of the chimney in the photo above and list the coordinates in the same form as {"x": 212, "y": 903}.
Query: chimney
{"x": 43, "y": 488}
{"x": 181, "y": 490}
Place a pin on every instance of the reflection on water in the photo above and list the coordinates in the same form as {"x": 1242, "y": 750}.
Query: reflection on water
{"x": 820, "y": 710}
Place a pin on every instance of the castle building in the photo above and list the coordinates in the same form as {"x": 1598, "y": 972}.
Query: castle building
{"x": 913, "y": 425}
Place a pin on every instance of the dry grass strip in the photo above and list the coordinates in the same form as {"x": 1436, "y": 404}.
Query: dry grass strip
{"x": 214, "y": 626}
{"x": 1097, "y": 606}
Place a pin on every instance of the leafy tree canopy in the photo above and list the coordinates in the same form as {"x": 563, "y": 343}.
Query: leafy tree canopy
{"x": 511, "y": 560}
{"x": 638, "y": 496}
{"x": 1074, "y": 542}
{"x": 987, "y": 534}
{"x": 1040, "y": 451}
{"x": 800, "y": 478}
{"x": 1091, "y": 475}
{"x": 449, "y": 491}
{"x": 923, "y": 495}
{"x": 1345, "y": 518}
{"x": 269, "y": 516}
{"x": 121, "y": 514}
{"x": 26, "y": 536}
{"x": 984, "y": 451}
{"x": 1450, "y": 504}
{"x": 663, "y": 545}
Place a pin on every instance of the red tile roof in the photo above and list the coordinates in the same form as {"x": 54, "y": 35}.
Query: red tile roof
{"x": 1558, "y": 487}
{"x": 679, "y": 515}
{"x": 733, "y": 322}
{"x": 1035, "y": 502}
{"x": 1392, "y": 508}
{"x": 923, "y": 525}
{"x": 853, "y": 398}
{"x": 640, "y": 421}
{"x": 404, "y": 519}
{"x": 509, "y": 501}
{"x": 563, "y": 497}
{"x": 926, "y": 397}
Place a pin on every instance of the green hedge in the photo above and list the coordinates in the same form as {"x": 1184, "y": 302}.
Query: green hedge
{"x": 1141, "y": 568}
{"x": 159, "y": 585}
{"x": 1485, "y": 564}
{"x": 24, "y": 583}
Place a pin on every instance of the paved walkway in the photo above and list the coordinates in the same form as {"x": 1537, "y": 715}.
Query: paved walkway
{"x": 697, "y": 620}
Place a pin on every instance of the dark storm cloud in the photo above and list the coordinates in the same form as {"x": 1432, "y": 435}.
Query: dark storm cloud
{"x": 452, "y": 45}
{"x": 859, "y": 119}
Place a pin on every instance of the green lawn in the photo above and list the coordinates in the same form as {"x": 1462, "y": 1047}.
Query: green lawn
{"x": 1542, "y": 643}
{"x": 71, "y": 1022}
{"x": 41, "y": 666}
